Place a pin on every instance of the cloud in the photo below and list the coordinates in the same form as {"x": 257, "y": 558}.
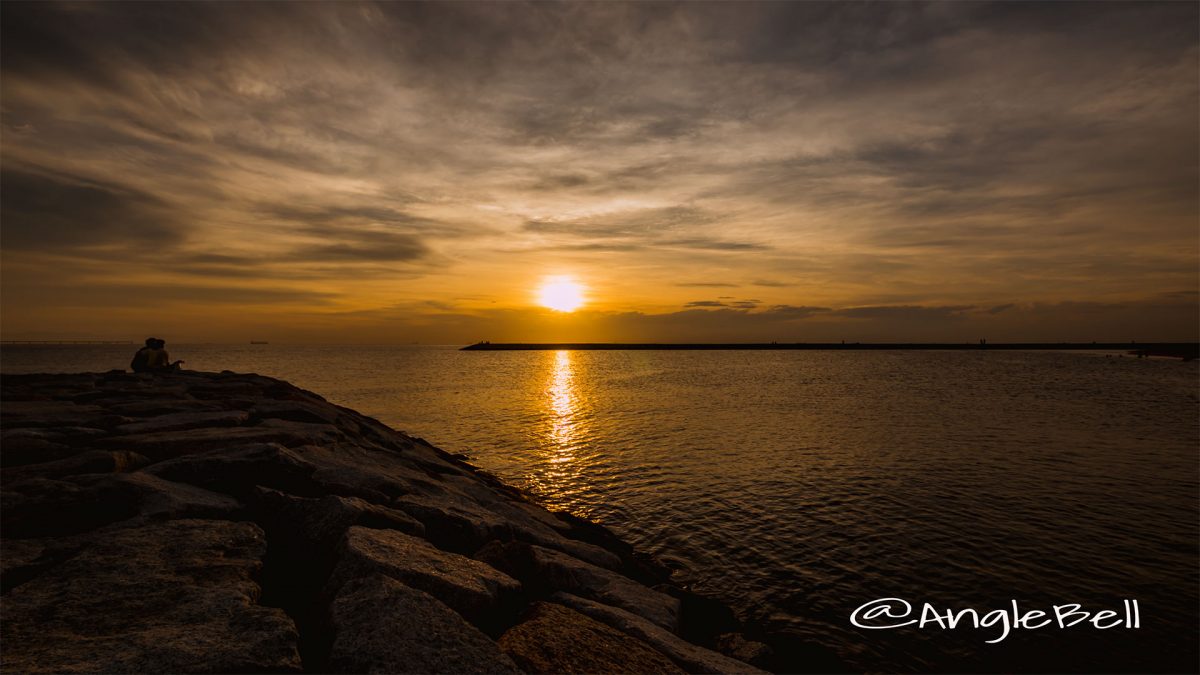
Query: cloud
{"x": 58, "y": 211}
{"x": 905, "y": 312}
{"x": 902, "y": 162}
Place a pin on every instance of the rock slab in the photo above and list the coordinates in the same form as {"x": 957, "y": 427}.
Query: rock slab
{"x": 177, "y": 596}
{"x": 555, "y": 639}
{"x": 383, "y": 626}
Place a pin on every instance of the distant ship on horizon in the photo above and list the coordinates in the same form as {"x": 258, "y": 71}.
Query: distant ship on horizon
{"x": 259, "y": 342}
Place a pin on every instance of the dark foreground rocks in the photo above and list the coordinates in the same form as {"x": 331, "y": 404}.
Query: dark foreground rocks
{"x": 203, "y": 522}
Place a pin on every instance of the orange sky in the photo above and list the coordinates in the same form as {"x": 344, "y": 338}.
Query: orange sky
{"x": 402, "y": 172}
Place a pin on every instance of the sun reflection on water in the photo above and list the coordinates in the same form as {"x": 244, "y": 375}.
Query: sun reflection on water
{"x": 562, "y": 444}
{"x": 562, "y": 405}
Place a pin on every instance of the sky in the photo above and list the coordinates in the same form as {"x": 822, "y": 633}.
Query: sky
{"x": 412, "y": 172}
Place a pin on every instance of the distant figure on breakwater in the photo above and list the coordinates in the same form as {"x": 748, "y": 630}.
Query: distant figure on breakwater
{"x": 153, "y": 358}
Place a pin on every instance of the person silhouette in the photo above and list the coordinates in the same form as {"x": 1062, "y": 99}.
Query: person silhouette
{"x": 159, "y": 360}
{"x": 141, "y": 359}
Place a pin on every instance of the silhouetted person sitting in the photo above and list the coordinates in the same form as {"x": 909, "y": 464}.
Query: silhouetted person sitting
{"x": 141, "y": 360}
{"x": 153, "y": 358}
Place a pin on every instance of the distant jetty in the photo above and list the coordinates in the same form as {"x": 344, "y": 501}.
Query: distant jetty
{"x": 1184, "y": 350}
{"x": 65, "y": 342}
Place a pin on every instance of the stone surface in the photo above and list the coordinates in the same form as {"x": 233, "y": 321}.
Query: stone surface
{"x": 169, "y": 597}
{"x": 89, "y": 461}
{"x": 155, "y": 498}
{"x": 383, "y": 626}
{"x": 555, "y": 639}
{"x": 690, "y": 657}
{"x": 238, "y": 469}
{"x": 736, "y": 645}
{"x": 169, "y": 444}
{"x": 328, "y": 542}
{"x": 485, "y": 596}
{"x": 185, "y": 420}
{"x": 322, "y": 522}
{"x": 549, "y": 570}
{"x": 44, "y": 507}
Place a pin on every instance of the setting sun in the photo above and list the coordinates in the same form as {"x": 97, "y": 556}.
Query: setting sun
{"x": 560, "y": 293}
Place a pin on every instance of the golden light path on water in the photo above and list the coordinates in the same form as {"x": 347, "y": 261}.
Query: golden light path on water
{"x": 562, "y": 408}
{"x": 561, "y": 468}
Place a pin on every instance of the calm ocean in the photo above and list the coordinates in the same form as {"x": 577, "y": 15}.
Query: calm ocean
{"x": 799, "y": 486}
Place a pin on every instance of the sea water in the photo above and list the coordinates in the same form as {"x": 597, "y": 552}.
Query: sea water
{"x": 810, "y": 489}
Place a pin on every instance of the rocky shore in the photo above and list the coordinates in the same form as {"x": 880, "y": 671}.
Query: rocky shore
{"x": 223, "y": 522}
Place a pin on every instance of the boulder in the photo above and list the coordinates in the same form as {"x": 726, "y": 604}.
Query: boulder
{"x": 21, "y": 414}
{"x": 296, "y": 411}
{"x": 546, "y": 571}
{"x": 186, "y": 420}
{"x": 155, "y": 408}
{"x": 169, "y": 444}
{"x": 239, "y": 469}
{"x": 555, "y": 639}
{"x": 44, "y": 507}
{"x": 156, "y": 498}
{"x": 91, "y": 461}
{"x": 455, "y": 524}
{"x": 52, "y": 434}
{"x": 22, "y": 451}
{"x": 735, "y": 645}
{"x": 356, "y": 470}
{"x": 690, "y": 657}
{"x": 383, "y": 626}
{"x": 176, "y": 596}
{"x": 481, "y": 594}
{"x": 19, "y": 561}
{"x": 322, "y": 522}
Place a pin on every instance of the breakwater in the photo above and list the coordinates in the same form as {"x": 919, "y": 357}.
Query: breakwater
{"x": 223, "y": 522}
{"x": 1184, "y": 350}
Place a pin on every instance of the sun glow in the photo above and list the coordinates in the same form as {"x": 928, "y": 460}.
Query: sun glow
{"x": 560, "y": 293}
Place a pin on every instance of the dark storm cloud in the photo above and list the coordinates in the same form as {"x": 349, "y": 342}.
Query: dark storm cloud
{"x": 89, "y": 294}
{"x": 324, "y": 214}
{"x": 905, "y": 312}
{"x": 58, "y": 211}
{"x": 370, "y": 247}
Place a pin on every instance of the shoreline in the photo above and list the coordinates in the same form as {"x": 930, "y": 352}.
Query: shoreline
{"x": 235, "y": 522}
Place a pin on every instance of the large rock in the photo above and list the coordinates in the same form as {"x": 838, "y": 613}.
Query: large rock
{"x": 91, "y": 461}
{"x": 155, "y": 498}
{"x": 177, "y": 596}
{"x": 546, "y": 570}
{"x": 483, "y": 595}
{"x": 321, "y": 523}
{"x": 168, "y": 444}
{"x": 691, "y": 657}
{"x": 240, "y": 468}
{"x": 44, "y": 507}
{"x": 383, "y": 626}
{"x": 186, "y": 420}
{"x": 555, "y": 639}
{"x": 20, "y": 414}
{"x": 23, "y": 451}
